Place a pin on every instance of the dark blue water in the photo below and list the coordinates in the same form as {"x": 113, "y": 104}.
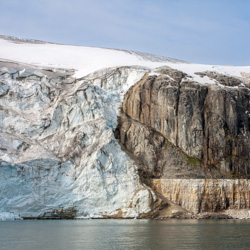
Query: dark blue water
{"x": 125, "y": 234}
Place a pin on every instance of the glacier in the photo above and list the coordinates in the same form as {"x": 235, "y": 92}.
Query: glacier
{"x": 59, "y": 152}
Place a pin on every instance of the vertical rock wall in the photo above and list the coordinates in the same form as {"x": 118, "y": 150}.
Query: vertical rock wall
{"x": 185, "y": 136}
{"x": 208, "y": 123}
{"x": 205, "y": 195}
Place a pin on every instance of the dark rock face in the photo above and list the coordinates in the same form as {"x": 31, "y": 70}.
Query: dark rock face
{"x": 222, "y": 79}
{"x": 226, "y": 123}
{"x": 177, "y": 128}
{"x": 153, "y": 153}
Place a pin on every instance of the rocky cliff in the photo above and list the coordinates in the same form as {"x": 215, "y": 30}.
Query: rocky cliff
{"x": 176, "y": 129}
{"x": 142, "y": 136}
{"x": 196, "y": 130}
{"x": 205, "y": 195}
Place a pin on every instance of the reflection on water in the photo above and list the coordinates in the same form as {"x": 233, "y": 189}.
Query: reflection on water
{"x": 125, "y": 234}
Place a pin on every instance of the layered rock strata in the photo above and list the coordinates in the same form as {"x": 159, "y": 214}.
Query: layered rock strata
{"x": 205, "y": 195}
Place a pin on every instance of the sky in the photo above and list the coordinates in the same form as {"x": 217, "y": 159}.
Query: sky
{"x": 199, "y": 31}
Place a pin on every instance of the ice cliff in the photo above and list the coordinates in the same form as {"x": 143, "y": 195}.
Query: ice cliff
{"x": 90, "y": 132}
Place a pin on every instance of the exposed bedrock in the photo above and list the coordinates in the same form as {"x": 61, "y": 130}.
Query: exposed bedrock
{"x": 177, "y": 128}
{"x": 205, "y": 195}
{"x": 190, "y": 140}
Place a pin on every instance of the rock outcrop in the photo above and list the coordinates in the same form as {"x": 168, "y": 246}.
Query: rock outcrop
{"x": 205, "y": 195}
{"x": 197, "y": 130}
{"x": 186, "y": 136}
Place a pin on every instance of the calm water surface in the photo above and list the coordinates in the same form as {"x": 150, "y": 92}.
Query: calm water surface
{"x": 124, "y": 234}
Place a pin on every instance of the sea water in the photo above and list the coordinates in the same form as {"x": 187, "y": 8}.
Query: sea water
{"x": 124, "y": 234}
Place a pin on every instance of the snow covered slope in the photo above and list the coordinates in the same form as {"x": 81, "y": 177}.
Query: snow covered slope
{"x": 89, "y": 59}
{"x": 83, "y": 59}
